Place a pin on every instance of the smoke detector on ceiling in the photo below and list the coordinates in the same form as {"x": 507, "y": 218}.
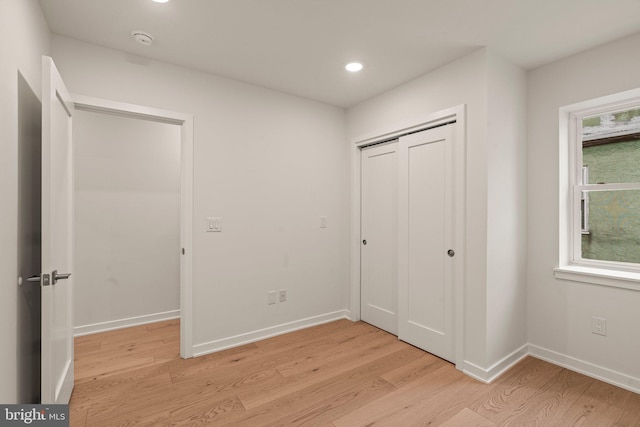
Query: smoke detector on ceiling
{"x": 142, "y": 37}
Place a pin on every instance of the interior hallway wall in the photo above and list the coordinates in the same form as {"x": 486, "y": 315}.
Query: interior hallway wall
{"x": 269, "y": 165}
{"x": 127, "y": 220}
{"x": 24, "y": 38}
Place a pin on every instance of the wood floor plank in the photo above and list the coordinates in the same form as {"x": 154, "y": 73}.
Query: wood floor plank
{"x": 336, "y": 374}
{"x": 369, "y": 339}
{"x": 318, "y": 371}
{"x": 77, "y": 417}
{"x": 268, "y": 354}
{"x": 467, "y": 417}
{"x": 158, "y": 394}
{"x": 113, "y": 397}
{"x": 511, "y": 395}
{"x": 333, "y": 396}
{"x": 331, "y": 329}
{"x": 387, "y": 409}
{"x": 597, "y": 406}
{"x": 550, "y": 402}
{"x": 96, "y": 368}
{"x": 630, "y": 416}
{"x": 416, "y": 369}
{"x": 86, "y": 347}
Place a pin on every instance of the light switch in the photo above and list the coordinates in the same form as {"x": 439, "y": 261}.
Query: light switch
{"x": 214, "y": 225}
{"x": 323, "y": 222}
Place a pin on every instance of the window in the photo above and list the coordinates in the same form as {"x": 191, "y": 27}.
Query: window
{"x": 600, "y": 191}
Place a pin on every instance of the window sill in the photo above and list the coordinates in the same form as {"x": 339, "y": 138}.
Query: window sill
{"x": 599, "y": 276}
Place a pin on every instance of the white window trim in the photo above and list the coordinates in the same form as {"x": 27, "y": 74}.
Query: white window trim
{"x": 571, "y": 265}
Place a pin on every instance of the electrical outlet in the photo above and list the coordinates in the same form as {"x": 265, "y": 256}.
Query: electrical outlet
{"x": 283, "y": 295}
{"x": 599, "y": 326}
{"x": 271, "y": 297}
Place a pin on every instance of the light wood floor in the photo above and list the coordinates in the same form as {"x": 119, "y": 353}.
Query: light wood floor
{"x": 338, "y": 374}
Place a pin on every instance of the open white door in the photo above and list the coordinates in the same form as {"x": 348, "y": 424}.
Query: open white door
{"x": 57, "y": 238}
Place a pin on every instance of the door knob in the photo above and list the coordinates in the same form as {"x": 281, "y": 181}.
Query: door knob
{"x": 55, "y": 276}
{"x": 451, "y": 252}
{"x": 364, "y": 242}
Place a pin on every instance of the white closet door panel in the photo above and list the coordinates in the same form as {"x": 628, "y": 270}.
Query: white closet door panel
{"x": 425, "y": 308}
{"x": 426, "y": 292}
{"x": 379, "y": 230}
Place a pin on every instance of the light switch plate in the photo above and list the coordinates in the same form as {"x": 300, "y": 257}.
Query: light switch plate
{"x": 214, "y": 225}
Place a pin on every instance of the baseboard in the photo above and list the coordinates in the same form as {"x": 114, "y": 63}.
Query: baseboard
{"x": 124, "y": 323}
{"x": 487, "y": 375}
{"x": 607, "y": 375}
{"x": 260, "y": 334}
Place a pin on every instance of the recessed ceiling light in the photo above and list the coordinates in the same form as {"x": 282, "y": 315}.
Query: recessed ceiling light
{"x": 353, "y": 67}
{"x": 161, "y": 1}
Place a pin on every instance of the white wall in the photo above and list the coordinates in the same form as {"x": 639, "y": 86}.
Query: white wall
{"x": 461, "y": 82}
{"x": 24, "y": 37}
{"x": 127, "y": 219}
{"x": 267, "y": 163}
{"x": 560, "y": 311}
{"x": 506, "y": 208}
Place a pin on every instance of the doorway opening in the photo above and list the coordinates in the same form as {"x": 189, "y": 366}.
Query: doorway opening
{"x": 133, "y": 216}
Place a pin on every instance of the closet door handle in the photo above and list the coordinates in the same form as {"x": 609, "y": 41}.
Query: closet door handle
{"x": 364, "y": 242}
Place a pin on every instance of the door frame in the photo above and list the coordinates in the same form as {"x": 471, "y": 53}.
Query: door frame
{"x": 427, "y": 121}
{"x": 185, "y": 121}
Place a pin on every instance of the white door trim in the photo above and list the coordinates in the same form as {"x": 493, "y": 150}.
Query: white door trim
{"x": 457, "y": 113}
{"x": 185, "y": 121}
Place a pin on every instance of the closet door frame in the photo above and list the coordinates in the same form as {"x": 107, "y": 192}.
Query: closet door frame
{"x": 455, "y": 114}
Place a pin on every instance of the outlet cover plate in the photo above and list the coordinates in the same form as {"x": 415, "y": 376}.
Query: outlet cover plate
{"x": 599, "y": 326}
{"x": 271, "y": 297}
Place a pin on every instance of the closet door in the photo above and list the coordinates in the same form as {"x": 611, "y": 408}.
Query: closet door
{"x": 379, "y": 236}
{"x": 425, "y": 235}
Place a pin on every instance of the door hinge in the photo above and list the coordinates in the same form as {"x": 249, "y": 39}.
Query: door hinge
{"x": 182, "y": 251}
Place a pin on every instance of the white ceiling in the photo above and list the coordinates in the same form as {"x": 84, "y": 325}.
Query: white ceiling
{"x": 301, "y": 46}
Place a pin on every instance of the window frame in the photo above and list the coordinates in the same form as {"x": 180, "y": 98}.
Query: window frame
{"x": 571, "y": 265}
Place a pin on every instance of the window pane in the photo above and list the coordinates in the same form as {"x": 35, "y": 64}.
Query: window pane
{"x": 611, "y": 147}
{"x": 614, "y": 226}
